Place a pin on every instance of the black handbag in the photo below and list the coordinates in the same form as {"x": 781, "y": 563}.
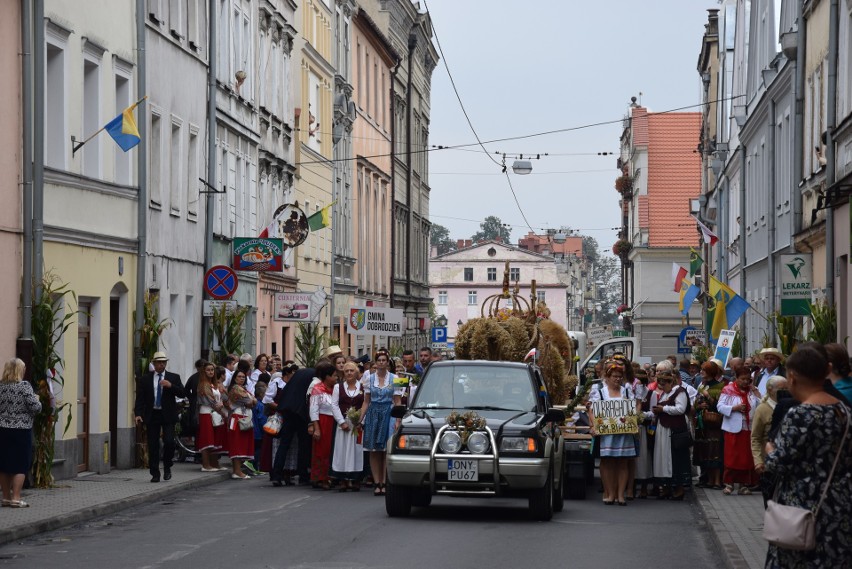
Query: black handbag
{"x": 681, "y": 439}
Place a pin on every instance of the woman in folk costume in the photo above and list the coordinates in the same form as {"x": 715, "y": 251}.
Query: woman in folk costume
{"x": 671, "y": 464}
{"x": 347, "y": 463}
{"x": 211, "y": 416}
{"x": 380, "y": 395}
{"x": 645, "y": 457}
{"x": 324, "y": 414}
{"x": 737, "y": 404}
{"x": 616, "y": 449}
{"x": 240, "y": 441}
{"x": 709, "y": 451}
{"x": 277, "y": 384}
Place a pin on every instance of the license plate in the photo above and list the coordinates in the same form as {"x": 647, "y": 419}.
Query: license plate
{"x": 462, "y": 470}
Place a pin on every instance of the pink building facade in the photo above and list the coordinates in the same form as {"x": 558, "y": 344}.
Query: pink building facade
{"x": 460, "y": 281}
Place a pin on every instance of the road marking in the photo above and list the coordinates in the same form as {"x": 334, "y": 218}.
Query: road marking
{"x": 579, "y": 522}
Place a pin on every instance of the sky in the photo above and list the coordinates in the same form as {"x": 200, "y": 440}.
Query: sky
{"x": 528, "y": 67}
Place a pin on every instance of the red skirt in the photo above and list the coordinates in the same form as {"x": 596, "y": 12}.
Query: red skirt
{"x": 321, "y": 450}
{"x": 205, "y": 438}
{"x": 739, "y": 464}
{"x": 240, "y": 443}
{"x": 220, "y": 439}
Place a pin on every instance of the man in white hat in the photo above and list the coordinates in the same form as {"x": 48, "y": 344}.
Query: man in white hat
{"x": 771, "y": 359}
{"x": 157, "y": 409}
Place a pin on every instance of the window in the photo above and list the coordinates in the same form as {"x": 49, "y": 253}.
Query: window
{"x": 468, "y": 274}
{"x": 155, "y": 176}
{"x": 442, "y": 297}
{"x": 315, "y": 123}
{"x": 194, "y": 24}
{"x": 514, "y": 274}
{"x": 540, "y": 295}
{"x": 175, "y": 164}
{"x": 123, "y": 167}
{"x": 91, "y": 117}
{"x": 492, "y": 274}
{"x": 192, "y": 173}
{"x": 471, "y": 297}
{"x": 54, "y": 106}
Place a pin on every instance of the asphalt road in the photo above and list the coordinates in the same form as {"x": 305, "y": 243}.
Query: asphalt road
{"x": 251, "y": 524}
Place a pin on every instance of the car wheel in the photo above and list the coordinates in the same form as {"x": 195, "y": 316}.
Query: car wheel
{"x": 541, "y": 501}
{"x": 397, "y": 500}
{"x": 558, "y": 492}
{"x": 421, "y": 498}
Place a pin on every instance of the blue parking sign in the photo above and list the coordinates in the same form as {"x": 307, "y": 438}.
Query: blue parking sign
{"x": 439, "y": 335}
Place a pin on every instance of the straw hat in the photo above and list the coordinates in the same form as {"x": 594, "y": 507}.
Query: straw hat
{"x": 332, "y": 350}
{"x": 772, "y": 352}
{"x": 160, "y": 357}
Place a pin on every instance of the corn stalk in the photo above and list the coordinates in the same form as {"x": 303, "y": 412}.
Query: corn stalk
{"x": 49, "y": 324}
{"x": 824, "y": 319}
{"x": 226, "y": 325}
{"x": 309, "y": 343}
{"x": 150, "y": 331}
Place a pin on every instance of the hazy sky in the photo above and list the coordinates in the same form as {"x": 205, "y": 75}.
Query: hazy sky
{"x": 540, "y": 65}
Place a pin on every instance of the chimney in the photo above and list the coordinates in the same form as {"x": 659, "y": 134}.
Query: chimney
{"x": 468, "y": 243}
{"x": 460, "y": 244}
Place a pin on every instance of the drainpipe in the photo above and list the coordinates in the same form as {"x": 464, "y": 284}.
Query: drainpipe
{"x": 412, "y": 45}
{"x": 39, "y": 54}
{"x": 743, "y": 157}
{"x": 772, "y": 259}
{"x": 830, "y": 154}
{"x": 27, "y": 166}
{"x": 393, "y": 73}
{"x": 142, "y": 178}
{"x": 211, "y": 156}
{"x": 798, "y": 124}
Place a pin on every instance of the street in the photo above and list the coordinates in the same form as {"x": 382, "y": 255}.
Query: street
{"x": 252, "y": 524}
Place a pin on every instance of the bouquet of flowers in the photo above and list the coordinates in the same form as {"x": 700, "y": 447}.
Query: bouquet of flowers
{"x": 353, "y": 415}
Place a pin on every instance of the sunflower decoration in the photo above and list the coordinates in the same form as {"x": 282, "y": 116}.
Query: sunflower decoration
{"x": 466, "y": 423}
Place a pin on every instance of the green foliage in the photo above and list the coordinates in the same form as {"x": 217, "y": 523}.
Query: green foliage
{"x": 309, "y": 344}
{"x": 824, "y": 320}
{"x": 439, "y": 237}
{"x": 737, "y": 346}
{"x": 226, "y": 325}
{"x": 49, "y": 324}
{"x": 492, "y": 229}
{"x": 150, "y": 331}
{"x": 789, "y": 331}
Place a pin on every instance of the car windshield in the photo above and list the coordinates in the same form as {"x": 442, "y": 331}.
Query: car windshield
{"x": 476, "y": 387}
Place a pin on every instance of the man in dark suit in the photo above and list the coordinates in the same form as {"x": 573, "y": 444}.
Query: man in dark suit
{"x": 156, "y": 408}
{"x": 293, "y": 406}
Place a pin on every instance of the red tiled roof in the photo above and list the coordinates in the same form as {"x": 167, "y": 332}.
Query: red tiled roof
{"x": 674, "y": 176}
{"x": 639, "y": 125}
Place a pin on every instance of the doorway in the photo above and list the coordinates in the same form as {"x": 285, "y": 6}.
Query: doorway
{"x": 84, "y": 339}
{"x": 114, "y": 313}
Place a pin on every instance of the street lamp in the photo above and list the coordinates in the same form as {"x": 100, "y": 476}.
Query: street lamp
{"x": 459, "y": 324}
{"x": 522, "y": 167}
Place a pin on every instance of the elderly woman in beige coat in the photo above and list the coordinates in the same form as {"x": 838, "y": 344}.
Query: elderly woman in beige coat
{"x": 763, "y": 420}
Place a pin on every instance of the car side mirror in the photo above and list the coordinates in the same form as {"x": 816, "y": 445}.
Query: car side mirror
{"x": 554, "y": 415}
{"x": 399, "y": 411}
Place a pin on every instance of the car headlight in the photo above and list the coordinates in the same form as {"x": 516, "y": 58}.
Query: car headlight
{"x": 414, "y": 442}
{"x": 477, "y": 443}
{"x": 451, "y": 442}
{"x": 517, "y": 444}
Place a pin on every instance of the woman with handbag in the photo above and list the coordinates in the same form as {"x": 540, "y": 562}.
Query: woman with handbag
{"x": 615, "y": 449}
{"x": 240, "y": 425}
{"x": 812, "y": 459}
{"x": 211, "y": 415}
{"x": 672, "y": 437}
{"x": 324, "y": 414}
{"x": 737, "y": 404}
{"x": 709, "y": 449}
{"x": 347, "y": 463}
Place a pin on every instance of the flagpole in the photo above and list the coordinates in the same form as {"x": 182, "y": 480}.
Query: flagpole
{"x": 79, "y": 145}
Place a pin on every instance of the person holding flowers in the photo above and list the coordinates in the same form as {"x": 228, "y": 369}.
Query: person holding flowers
{"x": 708, "y": 450}
{"x": 324, "y": 413}
{"x": 347, "y": 462}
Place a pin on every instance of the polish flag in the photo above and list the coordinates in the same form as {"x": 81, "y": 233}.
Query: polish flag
{"x": 678, "y": 274}
{"x": 530, "y": 354}
{"x": 270, "y": 231}
{"x": 709, "y": 236}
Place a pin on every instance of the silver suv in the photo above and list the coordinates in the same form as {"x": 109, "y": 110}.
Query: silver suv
{"x": 477, "y": 428}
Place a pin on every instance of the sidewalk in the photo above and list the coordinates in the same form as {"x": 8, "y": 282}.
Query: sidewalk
{"x": 90, "y": 496}
{"x": 736, "y": 523}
